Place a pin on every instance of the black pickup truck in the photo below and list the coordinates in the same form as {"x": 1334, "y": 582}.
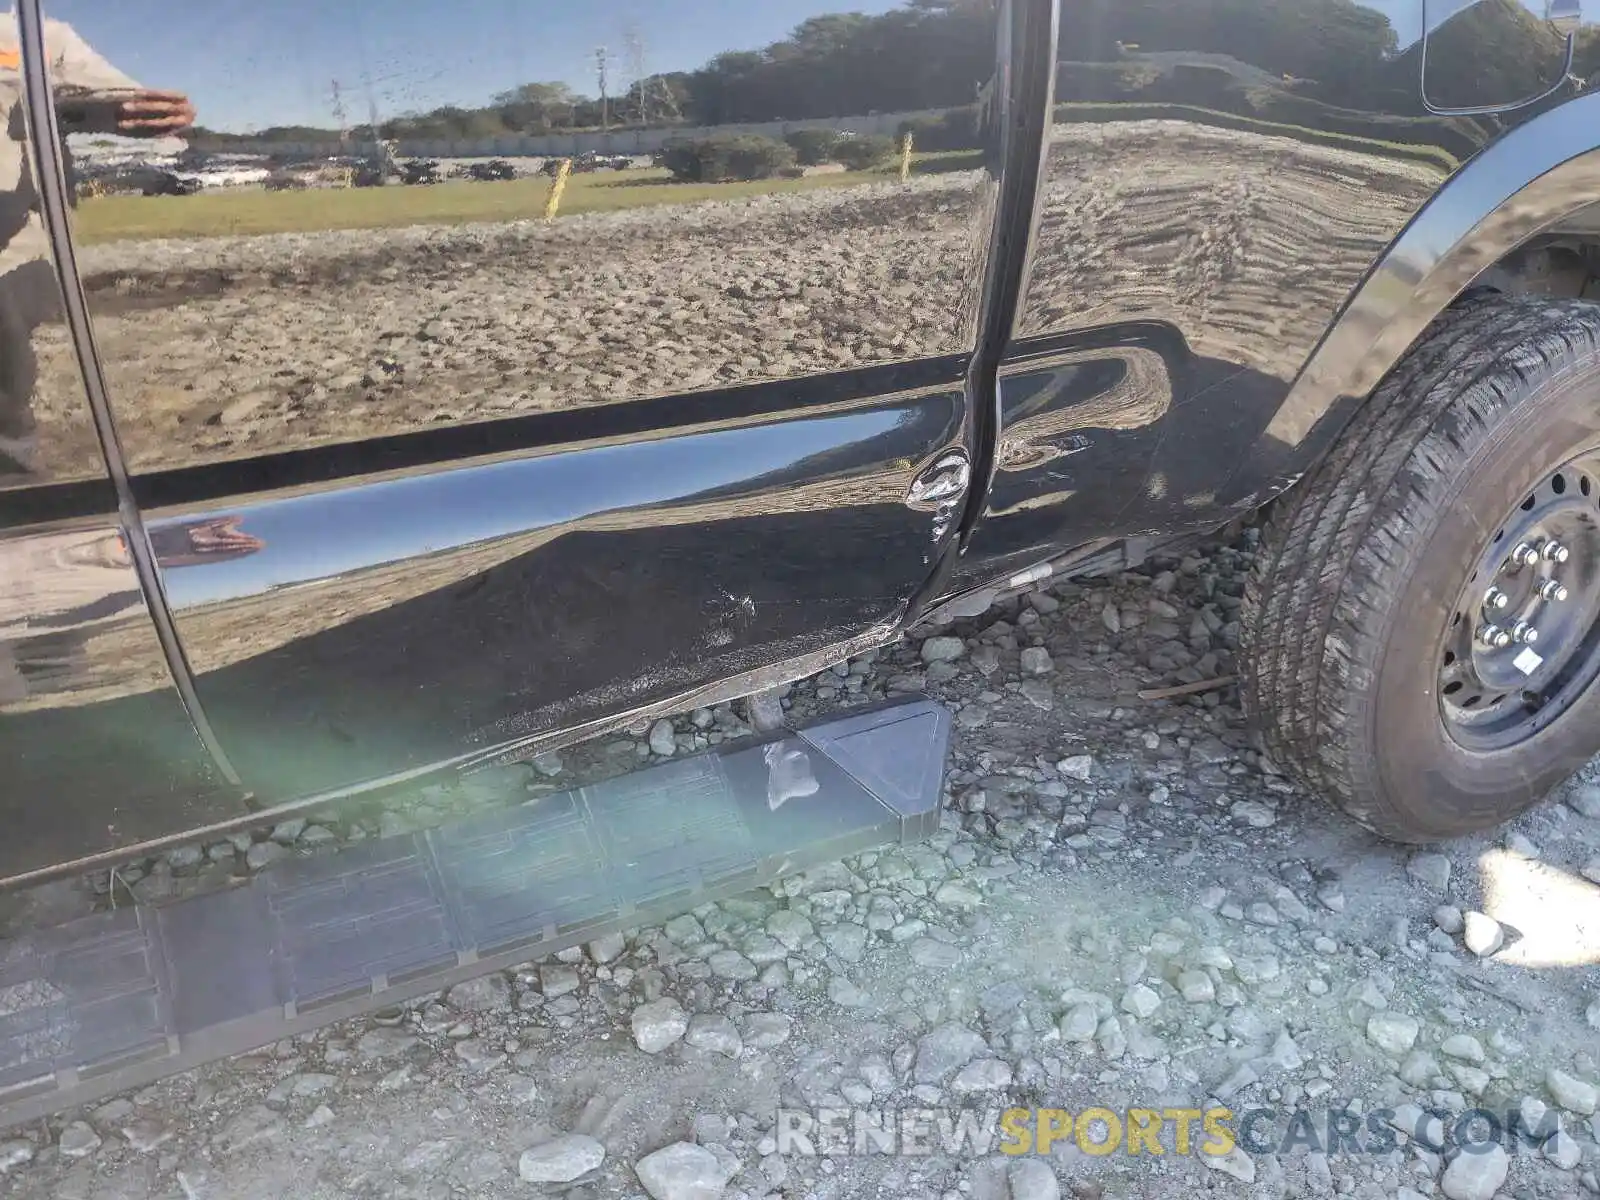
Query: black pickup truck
{"x": 307, "y": 504}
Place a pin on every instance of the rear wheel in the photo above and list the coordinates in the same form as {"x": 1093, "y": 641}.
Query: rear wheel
{"x": 1422, "y": 632}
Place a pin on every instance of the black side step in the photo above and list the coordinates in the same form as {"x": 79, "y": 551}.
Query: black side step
{"x": 121, "y": 998}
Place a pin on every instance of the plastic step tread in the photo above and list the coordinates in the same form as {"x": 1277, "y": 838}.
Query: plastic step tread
{"x": 120, "y": 998}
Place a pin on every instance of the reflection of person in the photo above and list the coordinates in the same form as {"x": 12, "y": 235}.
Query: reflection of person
{"x": 195, "y": 543}
{"x": 56, "y": 589}
{"x": 92, "y": 96}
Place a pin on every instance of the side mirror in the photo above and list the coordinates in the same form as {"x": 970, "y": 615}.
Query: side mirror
{"x": 1565, "y": 15}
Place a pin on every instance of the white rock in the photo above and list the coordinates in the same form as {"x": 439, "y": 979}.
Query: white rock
{"x": 764, "y": 711}
{"x": 1419, "y": 1068}
{"x": 1430, "y": 870}
{"x": 943, "y": 1051}
{"x": 1033, "y": 1179}
{"x": 1077, "y": 766}
{"x": 1482, "y": 934}
{"x": 957, "y": 895}
{"x": 607, "y": 948}
{"x": 1520, "y": 845}
{"x": 1531, "y": 1112}
{"x": 791, "y": 928}
{"x": 982, "y": 1075}
{"x": 682, "y": 1171}
{"x": 1235, "y": 1162}
{"x": 1476, "y": 1175}
{"x": 663, "y": 740}
{"x": 14, "y": 1153}
{"x": 1586, "y": 800}
{"x": 1393, "y": 1032}
{"x": 1079, "y": 1023}
{"x": 77, "y": 1140}
{"x": 1261, "y": 913}
{"x": 766, "y": 1030}
{"x": 1254, "y": 813}
{"x": 714, "y": 1032}
{"x": 1196, "y": 987}
{"x": 1563, "y": 1150}
{"x": 487, "y": 993}
{"x": 1036, "y": 661}
{"x": 1420, "y": 1126}
{"x": 1140, "y": 1000}
{"x": 558, "y": 980}
{"x": 561, "y": 1160}
{"x": 1571, "y": 1093}
{"x": 730, "y": 964}
{"x": 263, "y": 853}
{"x": 147, "y": 1135}
{"x": 658, "y": 1024}
{"x": 384, "y": 1043}
{"x": 943, "y": 649}
{"x": 1463, "y": 1046}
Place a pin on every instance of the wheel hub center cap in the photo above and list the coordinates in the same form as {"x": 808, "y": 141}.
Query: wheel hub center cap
{"x": 1522, "y": 642}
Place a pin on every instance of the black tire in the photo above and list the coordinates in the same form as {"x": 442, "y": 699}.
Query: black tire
{"x": 1360, "y": 570}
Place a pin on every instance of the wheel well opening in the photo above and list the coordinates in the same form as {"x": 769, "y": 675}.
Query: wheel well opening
{"x": 1563, "y": 264}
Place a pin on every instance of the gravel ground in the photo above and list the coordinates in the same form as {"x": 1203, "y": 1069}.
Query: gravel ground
{"x": 245, "y": 345}
{"x": 1126, "y": 906}
{"x": 230, "y": 346}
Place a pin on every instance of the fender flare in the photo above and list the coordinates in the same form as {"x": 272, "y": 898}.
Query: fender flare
{"x": 1518, "y": 187}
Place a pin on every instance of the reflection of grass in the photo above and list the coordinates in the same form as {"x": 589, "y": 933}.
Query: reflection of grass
{"x": 1094, "y": 112}
{"x": 211, "y": 214}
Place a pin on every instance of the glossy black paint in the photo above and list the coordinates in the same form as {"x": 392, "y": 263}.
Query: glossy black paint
{"x": 1216, "y": 280}
{"x": 537, "y": 512}
{"x": 376, "y": 628}
{"x": 553, "y": 504}
{"x": 98, "y": 740}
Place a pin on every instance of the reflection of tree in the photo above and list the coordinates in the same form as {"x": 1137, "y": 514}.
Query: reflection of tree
{"x": 1338, "y": 52}
{"x": 936, "y": 53}
{"x": 1341, "y": 46}
{"x": 925, "y": 54}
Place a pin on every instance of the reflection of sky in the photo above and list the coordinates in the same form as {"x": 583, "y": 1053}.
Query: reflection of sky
{"x": 405, "y": 518}
{"x": 250, "y": 64}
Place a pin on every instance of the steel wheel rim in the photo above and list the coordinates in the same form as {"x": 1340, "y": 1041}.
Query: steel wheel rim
{"x": 1522, "y": 641}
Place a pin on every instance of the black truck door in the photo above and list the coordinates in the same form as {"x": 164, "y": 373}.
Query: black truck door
{"x": 426, "y": 474}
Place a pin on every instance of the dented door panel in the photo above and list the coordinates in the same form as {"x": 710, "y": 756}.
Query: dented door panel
{"x": 371, "y": 628}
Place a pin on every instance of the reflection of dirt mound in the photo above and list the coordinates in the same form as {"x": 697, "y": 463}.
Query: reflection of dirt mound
{"x": 247, "y": 345}
{"x": 231, "y": 346}
{"x": 1247, "y": 243}
{"x": 114, "y": 293}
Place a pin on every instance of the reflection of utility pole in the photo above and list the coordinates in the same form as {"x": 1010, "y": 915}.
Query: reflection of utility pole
{"x": 633, "y": 44}
{"x": 605, "y": 103}
{"x": 372, "y": 105}
{"x": 339, "y": 114}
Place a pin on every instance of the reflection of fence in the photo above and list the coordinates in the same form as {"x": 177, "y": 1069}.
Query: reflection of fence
{"x": 565, "y": 145}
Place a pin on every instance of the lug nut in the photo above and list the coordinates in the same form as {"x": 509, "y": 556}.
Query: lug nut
{"x": 1495, "y": 598}
{"x": 1555, "y": 552}
{"x": 1494, "y": 637}
{"x": 1525, "y": 555}
{"x": 1552, "y": 589}
{"x": 1524, "y": 633}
